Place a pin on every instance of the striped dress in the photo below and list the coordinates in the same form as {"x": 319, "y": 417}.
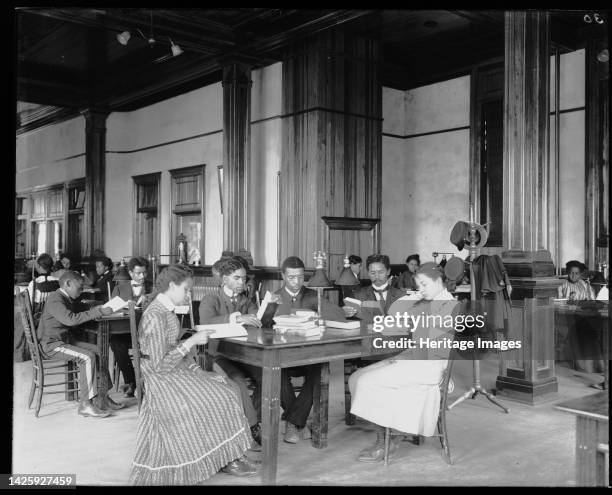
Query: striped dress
{"x": 191, "y": 422}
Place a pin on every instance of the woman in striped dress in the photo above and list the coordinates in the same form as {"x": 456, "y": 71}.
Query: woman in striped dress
{"x": 192, "y": 423}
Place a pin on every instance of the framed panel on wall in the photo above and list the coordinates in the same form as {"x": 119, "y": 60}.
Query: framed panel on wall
{"x": 187, "y": 213}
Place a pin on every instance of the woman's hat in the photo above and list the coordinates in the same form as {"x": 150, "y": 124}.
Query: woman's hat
{"x": 461, "y": 232}
{"x": 454, "y": 269}
{"x": 575, "y": 263}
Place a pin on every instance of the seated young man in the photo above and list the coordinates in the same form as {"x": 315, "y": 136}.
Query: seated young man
{"x": 291, "y": 296}
{"x": 104, "y": 270}
{"x": 57, "y": 329}
{"x": 132, "y": 290}
{"x": 378, "y": 267}
{"x": 231, "y": 305}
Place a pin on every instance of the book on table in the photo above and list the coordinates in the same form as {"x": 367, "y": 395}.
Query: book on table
{"x": 347, "y": 325}
{"x": 223, "y": 330}
{"x": 116, "y": 303}
{"x": 292, "y": 319}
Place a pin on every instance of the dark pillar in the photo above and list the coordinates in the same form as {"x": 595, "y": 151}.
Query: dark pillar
{"x": 332, "y": 140}
{"x": 531, "y": 376}
{"x": 95, "y": 167}
{"x": 236, "y": 155}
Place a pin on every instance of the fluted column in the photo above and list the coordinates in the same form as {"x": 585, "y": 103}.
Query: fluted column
{"x": 236, "y": 155}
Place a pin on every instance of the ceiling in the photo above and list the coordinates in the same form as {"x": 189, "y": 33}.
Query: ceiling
{"x": 69, "y": 59}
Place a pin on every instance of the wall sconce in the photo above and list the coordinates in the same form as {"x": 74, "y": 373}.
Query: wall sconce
{"x": 589, "y": 18}
{"x": 604, "y": 55}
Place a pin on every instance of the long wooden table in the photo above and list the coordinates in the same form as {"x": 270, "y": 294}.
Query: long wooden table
{"x": 272, "y": 352}
{"x": 592, "y": 447}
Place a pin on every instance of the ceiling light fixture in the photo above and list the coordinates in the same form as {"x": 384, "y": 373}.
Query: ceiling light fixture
{"x": 176, "y": 50}
{"x": 124, "y": 37}
{"x": 604, "y": 55}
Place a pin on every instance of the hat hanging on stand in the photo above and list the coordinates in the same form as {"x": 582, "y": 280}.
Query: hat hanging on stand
{"x": 475, "y": 236}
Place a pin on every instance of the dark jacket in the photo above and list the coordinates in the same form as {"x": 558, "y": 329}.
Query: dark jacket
{"x": 367, "y": 294}
{"x": 60, "y": 318}
{"x": 307, "y": 299}
{"x": 102, "y": 284}
{"x": 216, "y": 308}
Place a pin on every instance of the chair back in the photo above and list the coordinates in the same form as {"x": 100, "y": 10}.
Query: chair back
{"x": 445, "y": 381}
{"x": 136, "y": 348}
{"x": 29, "y": 329}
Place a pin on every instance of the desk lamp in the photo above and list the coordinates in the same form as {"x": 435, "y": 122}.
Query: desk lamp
{"x": 319, "y": 280}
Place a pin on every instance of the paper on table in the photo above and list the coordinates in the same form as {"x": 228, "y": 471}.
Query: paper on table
{"x": 223, "y": 330}
{"x": 181, "y": 310}
{"x": 116, "y": 303}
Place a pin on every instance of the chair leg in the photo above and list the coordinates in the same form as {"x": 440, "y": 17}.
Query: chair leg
{"x": 32, "y": 388}
{"x": 41, "y": 387}
{"x": 387, "y": 441}
{"x": 116, "y": 375}
{"x": 444, "y": 436}
{"x": 349, "y": 419}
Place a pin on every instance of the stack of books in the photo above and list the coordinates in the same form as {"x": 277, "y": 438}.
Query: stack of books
{"x": 303, "y": 325}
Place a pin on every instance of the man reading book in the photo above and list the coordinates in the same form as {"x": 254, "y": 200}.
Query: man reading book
{"x": 294, "y": 296}
{"x": 131, "y": 290}
{"x": 231, "y": 305}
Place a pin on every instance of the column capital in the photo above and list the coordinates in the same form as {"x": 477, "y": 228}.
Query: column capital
{"x": 95, "y": 117}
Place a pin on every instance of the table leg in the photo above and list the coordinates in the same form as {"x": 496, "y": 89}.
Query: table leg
{"x": 270, "y": 414}
{"x": 320, "y": 406}
{"x": 590, "y": 462}
{"x": 102, "y": 336}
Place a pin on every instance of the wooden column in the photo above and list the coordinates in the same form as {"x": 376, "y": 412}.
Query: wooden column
{"x": 95, "y": 171}
{"x": 597, "y": 155}
{"x": 332, "y": 136}
{"x": 526, "y": 203}
{"x": 236, "y": 155}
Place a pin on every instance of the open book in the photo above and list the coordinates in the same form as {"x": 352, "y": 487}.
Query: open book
{"x": 347, "y": 325}
{"x": 266, "y": 311}
{"x": 223, "y": 330}
{"x": 116, "y": 303}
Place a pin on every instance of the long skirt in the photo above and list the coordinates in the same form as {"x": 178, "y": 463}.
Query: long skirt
{"x": 191, "y": 425}
{"x": 402, "y": 394}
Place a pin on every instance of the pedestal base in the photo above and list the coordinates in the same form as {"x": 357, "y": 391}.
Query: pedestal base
{"x": 526, "y": 391}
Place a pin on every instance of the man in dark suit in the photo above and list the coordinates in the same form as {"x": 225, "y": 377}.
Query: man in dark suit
{"x": 379, "y": 269}
{"x": 130, "y": 290}
{"x": 231, "y": 305}
{"x": 104, "y": 270}
{"x": 58, "y": 326}
{"x": 293, "y": 295}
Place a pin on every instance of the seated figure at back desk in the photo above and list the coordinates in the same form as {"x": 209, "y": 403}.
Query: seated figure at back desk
{"x": 104, "y": 283}
{"x": 582, "y": 339}
{"x": 135, "y": 290}
{"x": 231, "y": 305}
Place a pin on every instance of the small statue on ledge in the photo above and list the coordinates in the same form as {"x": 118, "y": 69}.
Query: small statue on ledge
{"x": 182, "y": 248}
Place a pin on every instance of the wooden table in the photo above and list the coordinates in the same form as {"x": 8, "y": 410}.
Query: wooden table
{"x": 272, "y": 351}
{"x": 592, "y": 448}
{"x": 592, "y": 309}
{"x": 116, "y": 323}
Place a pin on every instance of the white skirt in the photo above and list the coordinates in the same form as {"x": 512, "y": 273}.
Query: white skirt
{"x": 403, "y": 394}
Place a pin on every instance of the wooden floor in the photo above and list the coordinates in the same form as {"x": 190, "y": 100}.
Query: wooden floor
{"x": 530, "y": 446}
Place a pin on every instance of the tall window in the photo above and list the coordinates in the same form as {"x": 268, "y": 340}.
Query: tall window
{"x": 47, "y": 221}
{"x": 188, "y": 211}
{"x": 76, "y": 215}
{"x": 21, "y": 227}
{"x": 146, "y": 215}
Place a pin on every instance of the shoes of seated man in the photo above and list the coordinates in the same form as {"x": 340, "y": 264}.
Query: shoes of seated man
{"x": 89, "y": 409}
{"x": 112, "y": 405}
{"x": 256, "y": 434}
{"x": 306, "y": 431}
{"x": 129, "y": 389}
{"x": 292, "y": 433}
{"x": 240, "y": 467}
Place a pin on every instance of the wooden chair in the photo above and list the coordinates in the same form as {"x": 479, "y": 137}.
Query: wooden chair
{"x": 442, "y": 430}
{"x": 136, "y": 352}
{"x": 41, "y": 366}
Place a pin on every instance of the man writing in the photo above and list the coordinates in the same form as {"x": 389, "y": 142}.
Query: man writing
{"x": 57, "y": 329}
